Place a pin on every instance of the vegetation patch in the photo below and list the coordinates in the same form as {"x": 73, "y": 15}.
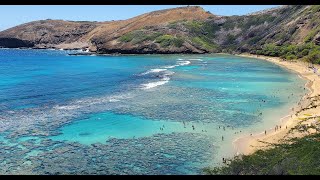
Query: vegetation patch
{"x": 127, "y": 37}
{"x": 256, "y": 20}
{"x": 201, "y": 28}
{"x": 308, "y": 52}
{"x": 230, "y": 39}
{"x": 297, "y": 156}
{"x": 315, "y": 8}
{"x": 311, "y": 34}
{"x": 169, "y": 40}
{"x": 204, "y": 43}
{"x": 139, "y": 36}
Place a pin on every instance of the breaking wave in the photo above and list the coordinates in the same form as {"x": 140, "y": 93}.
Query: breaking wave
{"x": 164, "y": 73}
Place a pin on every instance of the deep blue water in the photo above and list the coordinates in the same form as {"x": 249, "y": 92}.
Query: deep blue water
{"x": 138, "y": 114}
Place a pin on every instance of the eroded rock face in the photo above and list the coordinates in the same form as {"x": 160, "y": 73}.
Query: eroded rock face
{"x": 14, "y": 43}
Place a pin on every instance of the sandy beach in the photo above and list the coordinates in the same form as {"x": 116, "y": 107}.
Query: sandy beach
{"x": 307, "y": 111}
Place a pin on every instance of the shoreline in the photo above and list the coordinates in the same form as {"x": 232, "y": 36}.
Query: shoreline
{"x": 249, "y": 144}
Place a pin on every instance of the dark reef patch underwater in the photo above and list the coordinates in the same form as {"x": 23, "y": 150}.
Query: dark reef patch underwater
{"x": 140, "y": 114}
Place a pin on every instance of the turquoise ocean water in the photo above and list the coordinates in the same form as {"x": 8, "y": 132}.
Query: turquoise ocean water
{"x": 134, "y": 114}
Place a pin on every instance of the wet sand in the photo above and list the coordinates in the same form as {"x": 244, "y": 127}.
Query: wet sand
{"x": 251, "y": 143}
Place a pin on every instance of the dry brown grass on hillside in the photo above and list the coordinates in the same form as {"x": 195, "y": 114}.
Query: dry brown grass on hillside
{"x": 118, "y": 28}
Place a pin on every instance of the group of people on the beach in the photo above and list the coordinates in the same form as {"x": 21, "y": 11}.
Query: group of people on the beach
{"x": 277, "y": 128}
{"x": 314, "y": 69}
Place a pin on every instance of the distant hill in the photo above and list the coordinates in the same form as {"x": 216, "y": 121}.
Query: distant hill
{"x": 179, "y": 30}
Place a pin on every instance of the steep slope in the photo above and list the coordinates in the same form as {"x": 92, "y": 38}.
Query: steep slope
{"x": 180, "y": 30}
{"x": 291, "y": 32}
{"x": 46, "y": 33}
{"x": 214, "y": 34}
{"x": 99, "y": 36}
{"x": 105, "y": 37}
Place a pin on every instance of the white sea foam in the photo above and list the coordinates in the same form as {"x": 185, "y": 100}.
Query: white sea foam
{"x": 114, "y": 100}
{"x": 169, "y": 73}
{"x": 165, "y": 78}
{"x": 157, "y": 70}
{"x": 183, "y": 63}
{"x": 163, "y": 81}
{"x": 195, "y": 59}
{"x": 170, "y": 67}
{"x": 155, "y": 84}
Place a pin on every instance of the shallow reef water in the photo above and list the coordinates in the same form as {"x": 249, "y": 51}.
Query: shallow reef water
{"x": 138, "y": 114}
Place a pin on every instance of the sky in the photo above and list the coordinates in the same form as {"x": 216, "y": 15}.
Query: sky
{"x": 12, "y": 15}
